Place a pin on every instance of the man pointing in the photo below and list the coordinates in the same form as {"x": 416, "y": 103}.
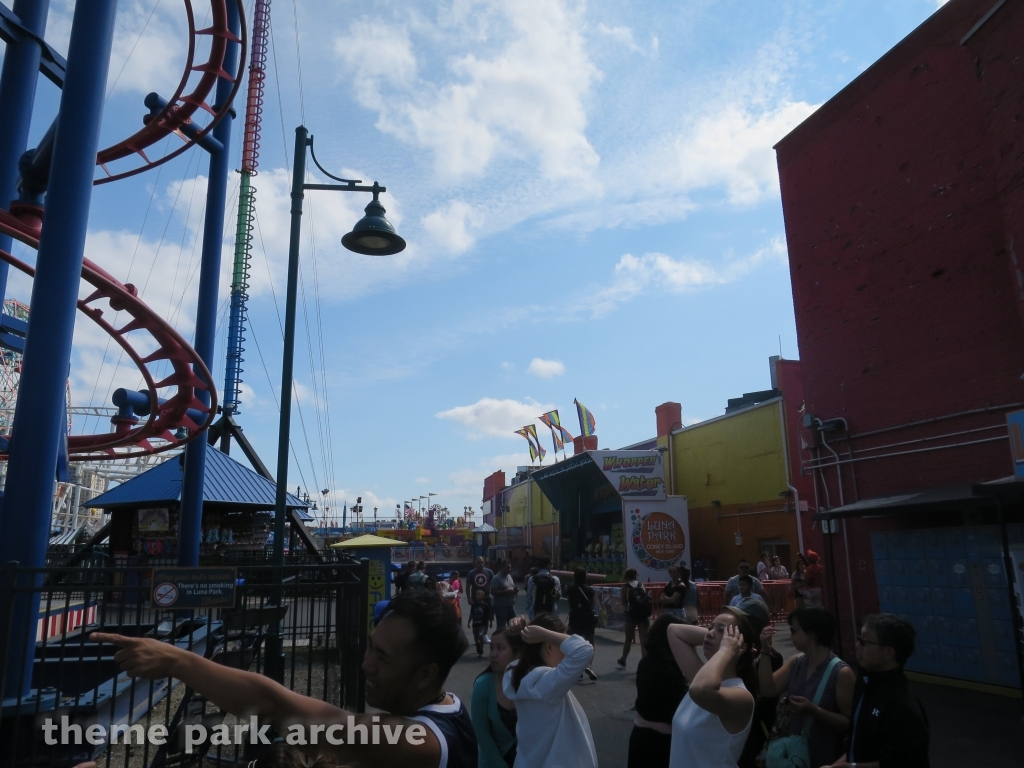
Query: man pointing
{"x": 408, "y": 658}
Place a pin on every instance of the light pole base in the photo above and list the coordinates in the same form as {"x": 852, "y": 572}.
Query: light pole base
{"x": 273, "y": 659}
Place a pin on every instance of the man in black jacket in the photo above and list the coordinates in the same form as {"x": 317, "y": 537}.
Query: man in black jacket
{"x": 889, "y": 728}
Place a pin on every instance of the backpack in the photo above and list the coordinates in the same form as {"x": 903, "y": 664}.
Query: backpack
{"x": 640, "y": 605}
{"x": 545, "y": 593}
{"x": 579, "y": 606}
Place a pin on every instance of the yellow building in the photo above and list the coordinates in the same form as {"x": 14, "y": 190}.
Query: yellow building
{"x": 733, "y": 471}
{"x": 526, "y": 519}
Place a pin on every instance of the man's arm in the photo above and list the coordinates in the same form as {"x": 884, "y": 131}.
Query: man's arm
{"x": 247, "y": 693}
{"x": 234, "y": 690}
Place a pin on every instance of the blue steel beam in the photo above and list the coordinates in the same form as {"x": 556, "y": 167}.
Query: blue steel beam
{"x": 18, "y": 81}
{"x": 191, "y": 518}
{"x": 12, "y": 30}
{"x": 25, "y": 516}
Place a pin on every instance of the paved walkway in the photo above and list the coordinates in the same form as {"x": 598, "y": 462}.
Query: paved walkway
{"x": 967, "y": 728}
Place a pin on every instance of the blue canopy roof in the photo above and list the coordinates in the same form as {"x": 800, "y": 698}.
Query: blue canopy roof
{"x": 227, "y": 483}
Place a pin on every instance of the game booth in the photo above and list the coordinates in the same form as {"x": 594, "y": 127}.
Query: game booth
{"x": 614, "y": 514}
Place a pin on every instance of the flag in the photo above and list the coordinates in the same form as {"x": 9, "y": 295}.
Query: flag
{"x": 587, "y": 424}
{"x": 533, "y": 450}
{"x": 555, "y": 424}
{"x": 530, "y": 433}
{"x": 526, "y": 433}
{"x": 532, "y": 429}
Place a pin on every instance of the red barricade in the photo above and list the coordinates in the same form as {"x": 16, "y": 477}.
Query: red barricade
{"x": 709, "y": 597}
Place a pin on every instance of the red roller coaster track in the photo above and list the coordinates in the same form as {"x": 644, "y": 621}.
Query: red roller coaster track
{"x": 189, "y": 373}
{"x": 182, "y": 106}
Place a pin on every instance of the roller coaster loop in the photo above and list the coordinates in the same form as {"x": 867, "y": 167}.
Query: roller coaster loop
{"x": 188, "y": 372}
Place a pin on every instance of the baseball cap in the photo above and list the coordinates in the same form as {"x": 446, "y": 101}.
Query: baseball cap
{"x": 753, "y": 610}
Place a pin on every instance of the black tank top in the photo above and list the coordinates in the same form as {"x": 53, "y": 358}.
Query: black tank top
{"x": 452, "y": 726}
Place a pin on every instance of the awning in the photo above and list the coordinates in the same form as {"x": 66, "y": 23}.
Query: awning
{"x": 485, "y": 528}
{"x": 910, "y": 503}
{"x": 369, "y": 540}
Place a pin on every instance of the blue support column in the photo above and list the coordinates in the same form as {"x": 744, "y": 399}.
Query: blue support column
{"x": 18, "y": 82}
{"x": 190, "y": 521}
{"x": 25, "y": 517}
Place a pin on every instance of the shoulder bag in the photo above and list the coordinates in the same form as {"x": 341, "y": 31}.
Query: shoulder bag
{"x": 793, "y": 751}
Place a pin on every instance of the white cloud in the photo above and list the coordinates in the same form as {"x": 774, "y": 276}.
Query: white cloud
{"x": 732, "y": 149}
{"x": 623, "y": 36}
{"x": 448, "y": 226}
{"x": 546, "y": 369}
{"x": 422, "y": 480}
{"x": 499, "y": 100}
{"x": 378, "y": 54}
{"x": 468, "y": 481}
{"x": 149, "y": 46}
{"x": 507, "y": 366}
{"x": 634, "y": 276}
{"x": 495, "y": 418}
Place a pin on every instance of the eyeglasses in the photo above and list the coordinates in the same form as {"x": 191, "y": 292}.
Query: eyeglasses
{"x": 862, "y": 641}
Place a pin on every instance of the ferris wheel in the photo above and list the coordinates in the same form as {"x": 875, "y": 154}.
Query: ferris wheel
{"x": 10, "y": 374}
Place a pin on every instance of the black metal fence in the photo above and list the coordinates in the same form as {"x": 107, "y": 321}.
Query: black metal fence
{"x": 69, "y": 703}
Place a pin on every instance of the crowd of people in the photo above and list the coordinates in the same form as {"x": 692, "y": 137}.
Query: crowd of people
{"x": 706, "y": 697}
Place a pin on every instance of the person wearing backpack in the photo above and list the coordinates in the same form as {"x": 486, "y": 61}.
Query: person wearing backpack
{"x": 639, "y": 608}
{"x": 544, "y": 589}
{"x": 582, "y": 616}
{"x": 815, "y": 715}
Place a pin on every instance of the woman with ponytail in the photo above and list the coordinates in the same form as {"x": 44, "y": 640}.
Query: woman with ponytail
{"x": 711, "y": 724}
{"x": 553, "y": 730}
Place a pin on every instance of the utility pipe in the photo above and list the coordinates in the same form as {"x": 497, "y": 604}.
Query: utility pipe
{"x": 930, "y": 439}
{"x": 846, "y": 538}
{"x": 907, "y": 453}
{"x": 946, "y": 417}
{"x": 789, "y": 485}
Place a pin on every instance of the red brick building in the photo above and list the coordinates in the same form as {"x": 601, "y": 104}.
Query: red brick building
{"x": 903, "y": 198}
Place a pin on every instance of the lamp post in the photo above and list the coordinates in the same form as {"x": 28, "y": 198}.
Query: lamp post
{"x": 372, "y": 235}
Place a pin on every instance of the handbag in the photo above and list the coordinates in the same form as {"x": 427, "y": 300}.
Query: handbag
{"x": 793, "y": 751}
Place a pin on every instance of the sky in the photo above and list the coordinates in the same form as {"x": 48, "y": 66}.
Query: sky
{"x": 589, "y": 195}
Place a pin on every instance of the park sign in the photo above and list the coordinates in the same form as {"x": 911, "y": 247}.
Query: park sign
{"x": 657, "y": 536}
{"x": 633, "y": 474}
{"x": 177, "y": 589}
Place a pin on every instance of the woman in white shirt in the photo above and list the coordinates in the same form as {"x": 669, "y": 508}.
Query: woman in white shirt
{"x": 553, "y": 730}
{"x": 711, "y": 724}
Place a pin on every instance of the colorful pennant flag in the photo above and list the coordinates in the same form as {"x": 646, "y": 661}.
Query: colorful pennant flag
{"x": 554, "y": 423}
{"x": 532, "y": 429}
{"x": 588, "y": 425}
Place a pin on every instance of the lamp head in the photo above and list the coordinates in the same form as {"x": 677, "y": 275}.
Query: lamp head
{"x": 373, "y": 235}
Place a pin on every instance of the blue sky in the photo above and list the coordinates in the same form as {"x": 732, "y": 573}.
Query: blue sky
{"x": 589, "y": 194}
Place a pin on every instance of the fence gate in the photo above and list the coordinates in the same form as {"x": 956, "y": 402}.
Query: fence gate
{"x": 101, "y": 714}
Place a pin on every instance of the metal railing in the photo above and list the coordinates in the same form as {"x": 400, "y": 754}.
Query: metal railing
{"x": 456, "y": 554}
{"x": 323, "y": 613}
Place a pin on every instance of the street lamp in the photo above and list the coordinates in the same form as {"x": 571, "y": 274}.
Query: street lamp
{"x": 372, "y": 235}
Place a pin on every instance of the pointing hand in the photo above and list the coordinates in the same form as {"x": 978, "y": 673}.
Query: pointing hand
{"x": 142, "y": 656}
